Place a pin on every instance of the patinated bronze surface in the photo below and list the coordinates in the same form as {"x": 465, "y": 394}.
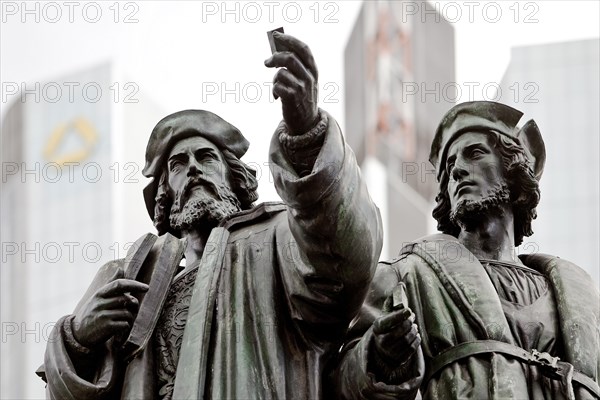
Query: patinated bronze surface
{"x": 481, "y": 322}
{"x": 267, "y": 291}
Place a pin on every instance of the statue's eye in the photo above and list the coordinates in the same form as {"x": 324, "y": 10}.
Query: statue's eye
{"x": 477, "y": 152}
{"x": 209, "y": 158}
{"x": 205, "y": 157}
{"x": 175, "y": 165}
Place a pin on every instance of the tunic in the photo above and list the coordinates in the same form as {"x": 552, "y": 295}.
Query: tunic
{"x": 550, "y": 304}
{"x": 530, "y": 310}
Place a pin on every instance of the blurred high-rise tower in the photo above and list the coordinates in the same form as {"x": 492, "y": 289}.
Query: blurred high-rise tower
{"x": 399, "y": 81}
{"x": 71, "y": 199}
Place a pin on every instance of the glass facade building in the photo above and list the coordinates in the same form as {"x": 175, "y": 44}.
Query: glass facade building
{"x": 71, "y": 200}
{"x": 558, "y": 86}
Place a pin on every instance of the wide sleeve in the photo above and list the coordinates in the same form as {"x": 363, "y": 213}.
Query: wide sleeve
{"x": 352, "y": 375}
{"x": 76, "y": 372}
{"x": 335, "y": 228}
{"x": 73, "y": 374}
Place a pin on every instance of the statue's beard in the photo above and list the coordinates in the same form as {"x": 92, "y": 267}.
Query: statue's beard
{"x": 204, "y": 208}
{"x": 469, "y": 214}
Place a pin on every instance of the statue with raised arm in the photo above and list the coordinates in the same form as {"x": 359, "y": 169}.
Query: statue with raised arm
{"x": 267, "y": 291}
{"x": 477, "y": 321}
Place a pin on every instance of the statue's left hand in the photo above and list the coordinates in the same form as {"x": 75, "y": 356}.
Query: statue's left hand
{"x": 296, "y": 83}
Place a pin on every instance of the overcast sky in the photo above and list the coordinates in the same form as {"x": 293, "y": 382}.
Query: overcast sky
{"x": 187, "y": 54}
{"x": 193, "y": 54}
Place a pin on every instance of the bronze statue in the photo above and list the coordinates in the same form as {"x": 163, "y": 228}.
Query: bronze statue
{"x": 477, "y": 320}
{"x": 267, "y": 291}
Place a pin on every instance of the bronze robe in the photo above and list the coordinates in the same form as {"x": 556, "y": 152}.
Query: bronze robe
{"x": 273, "y": 295}
{"x": 455, "y": 302}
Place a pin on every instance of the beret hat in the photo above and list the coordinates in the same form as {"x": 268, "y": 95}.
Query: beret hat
{"x": 487, "y": 116}
{"x": 182, "y": 125}
{"x": 188, "y": 123}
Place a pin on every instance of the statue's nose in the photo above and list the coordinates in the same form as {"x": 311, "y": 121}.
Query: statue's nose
{"x": 459, "y": 171}
{"x": 194, "y": 169}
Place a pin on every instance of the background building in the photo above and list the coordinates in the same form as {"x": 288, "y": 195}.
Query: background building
{"x": 558, "y": 85}
{"x": 70, "y": 202}
{"x": 399, "y": 82}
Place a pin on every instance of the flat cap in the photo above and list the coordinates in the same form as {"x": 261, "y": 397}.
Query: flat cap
{"x": 188, "y": 123}
{"x": 182, "y": 125}
{"x": 487, "y": 116}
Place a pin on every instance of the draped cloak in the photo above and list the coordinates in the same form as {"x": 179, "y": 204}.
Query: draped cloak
{"x": 271, "y": 299}
{"x": 454, "y": 301}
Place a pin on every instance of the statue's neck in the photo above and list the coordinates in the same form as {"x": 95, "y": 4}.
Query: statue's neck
{"x": 196, "y": 241}
{"x": 492, "y": 238}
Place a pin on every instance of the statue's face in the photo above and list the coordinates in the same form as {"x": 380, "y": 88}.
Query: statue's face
{"x": 199, "y": 184}
{"x": 474, "y": 168}
{"x": 195, "y": 156}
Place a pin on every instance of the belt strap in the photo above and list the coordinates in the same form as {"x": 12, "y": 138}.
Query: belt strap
{"x": 468, "y": 349}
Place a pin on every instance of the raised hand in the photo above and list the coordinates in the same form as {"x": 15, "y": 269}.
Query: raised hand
{"x": 296, "y": 83}
{"x": 110, "y": 311}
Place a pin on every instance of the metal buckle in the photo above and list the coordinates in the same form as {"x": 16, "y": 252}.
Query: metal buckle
{"x": 545, "y": 360}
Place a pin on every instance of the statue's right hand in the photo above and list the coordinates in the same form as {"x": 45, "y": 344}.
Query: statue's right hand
{"x": 396, "y": 337}
{"x": 111, "y": 310}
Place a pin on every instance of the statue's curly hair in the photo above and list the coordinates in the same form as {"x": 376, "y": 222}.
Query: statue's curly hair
{"x": 243, "y": 184}
{"x": 524, "y": 190}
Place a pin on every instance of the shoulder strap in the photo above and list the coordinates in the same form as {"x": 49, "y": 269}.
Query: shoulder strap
{"x": 465, "y": 280}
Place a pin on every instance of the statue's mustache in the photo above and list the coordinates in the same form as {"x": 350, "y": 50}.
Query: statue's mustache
{"x": 184, "y": 194}
{"x": 196, "y": 181}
